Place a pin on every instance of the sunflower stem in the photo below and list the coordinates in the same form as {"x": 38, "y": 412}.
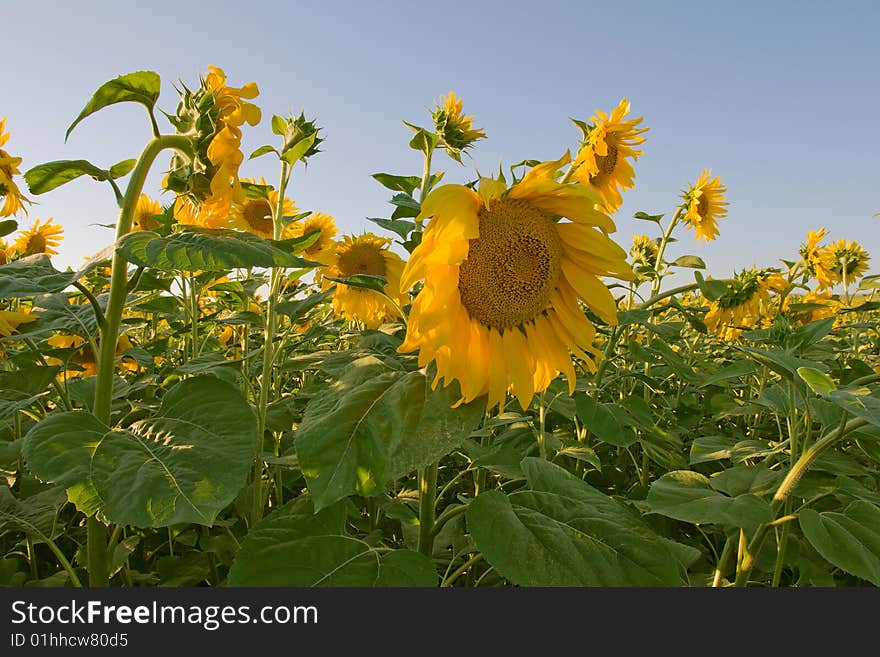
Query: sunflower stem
{"x": 427, "y": 505}
{"x": 275, "y": 277}
{"x": 749, "y": 556}
{"x": 97, "y": 531}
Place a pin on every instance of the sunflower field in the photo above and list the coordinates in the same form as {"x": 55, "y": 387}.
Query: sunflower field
{"x": 485, "y": 388}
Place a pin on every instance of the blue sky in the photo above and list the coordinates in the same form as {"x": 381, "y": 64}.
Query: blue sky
{"x": 780, "y": 99}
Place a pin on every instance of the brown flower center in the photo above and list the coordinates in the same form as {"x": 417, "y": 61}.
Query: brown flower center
{"x": 513, "y": 267}
{"x": 606, "y": 164}
{"x": 362, "y": 259}
{"x": 36, "y": 244}
{"x": 258, "y": 215}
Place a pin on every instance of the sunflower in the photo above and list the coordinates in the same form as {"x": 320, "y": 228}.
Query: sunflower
{"x": 644, "y": 251}
{"x": 145, "y": 213}
{"x": 5, "y": 252}
{"x": 186, "y": 212}
{"x": 254, "y": 215}
{"x": 825, "y": 306}
{"x": 322, "y": 249}
{"x": 503, "y": 278}
{"x": 83, "y": 356}
{"x": 10, "y": 320}
{"x": 602, "y": 161}
{"x": 39, "y": 239}
{"x": 365, "y": 254}
{"x": 745, "y": 303}
{"x": 811, "y": 254}
{"x": 453, "y": 127}
{"x": 704, "y": 205}
{"x": 846, "y": 260}
{"x": 14, "y": 201}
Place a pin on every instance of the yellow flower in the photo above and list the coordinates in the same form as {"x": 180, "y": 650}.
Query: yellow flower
{"x": 322, "y": 249}
{"x": 254, "y": 215}
{"x": 602, "y": 161}
{"x": 745, "y": 303}
{"x": 10, "y": 320}
{"x": 811, "y": 253}
{"x": 828, "y": 306}
{"x": 14, "y": 200}
{"x": 226, "y": 335}
{"x": 846, "y": 260}
{"x": 84, "y": 357}
{"x": 145, "y": 214}
{"x": 39, "y": 239}
{"x": 5, "y": 251}
{"x": 454, "y": 128}
{"x": 705, "y": 205}
{"x": 365, "y": 254}
{"x": 187, "y": 213}
{"x": 500, "y": 304}
{"x": 644, "y": 251}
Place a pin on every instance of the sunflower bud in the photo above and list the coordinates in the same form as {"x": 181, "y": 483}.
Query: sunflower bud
{"x": 300, "y": 136}
{"x": 453, "y": 128}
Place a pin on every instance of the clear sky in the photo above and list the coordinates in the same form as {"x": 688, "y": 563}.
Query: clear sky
{"x": 780, "y": 99}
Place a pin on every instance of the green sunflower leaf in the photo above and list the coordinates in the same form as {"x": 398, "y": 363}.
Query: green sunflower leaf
{"x": 140, "y": 87}
{"x": 7, "y": 227}
{"x": 849, "y": 540}
{"x": 372, "y": 426}
{"x": 183, "y": 464}
{"x": 405, "y": 184}
{"x": 211, "y": 250}
{"x": 46, "y": 177}
{"x": 294, "y": 546}
{"x": 560, "y": 531}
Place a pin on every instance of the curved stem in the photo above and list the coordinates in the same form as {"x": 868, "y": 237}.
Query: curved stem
{"x": 786, "y": 487}
{"x": 106, "y": 354}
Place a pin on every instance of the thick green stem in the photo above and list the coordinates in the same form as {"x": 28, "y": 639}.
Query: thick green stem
{"x": 276, "y": 275}
{"x": 97, "y": 532}
{"x": 786, "y": 487}
{"x": 427, "y": 503}
{"x": 721, "y": 566}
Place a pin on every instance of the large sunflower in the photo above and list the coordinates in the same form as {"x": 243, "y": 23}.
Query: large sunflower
{"x": 602, "y": 162}
{"x": 13, "y": 199}
{"x": 365, "y": 254}
{"x": 39, "y": 239}
{"x": 705, "y": 205}
{"x": 812, "y": 253}
{"x": 503, "y": 278}
{"x": 321, "y": 249}
{"x": 145, "y": 213}
{"x": 224, "y": 151}
{"x": 254, "y": 215}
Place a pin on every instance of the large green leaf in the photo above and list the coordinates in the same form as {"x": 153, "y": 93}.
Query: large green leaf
{"x": 294, "y": 546}
{"x": 139, "y": 87}
{"x": 34, "y": 515}
{"x": 373, "y": 426}
{"x": 856, "y": 401}
{"x": 210, "y": 250}
{"x": 46, "y": 177}
{"x": 849, "y": 540}
{"x": 561, "y": 531}
{"x": 687, "y": 496}
{"x": 602, "y": 422}
{"x": 184, "y": 464}
{"x": 34, "y": 275}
